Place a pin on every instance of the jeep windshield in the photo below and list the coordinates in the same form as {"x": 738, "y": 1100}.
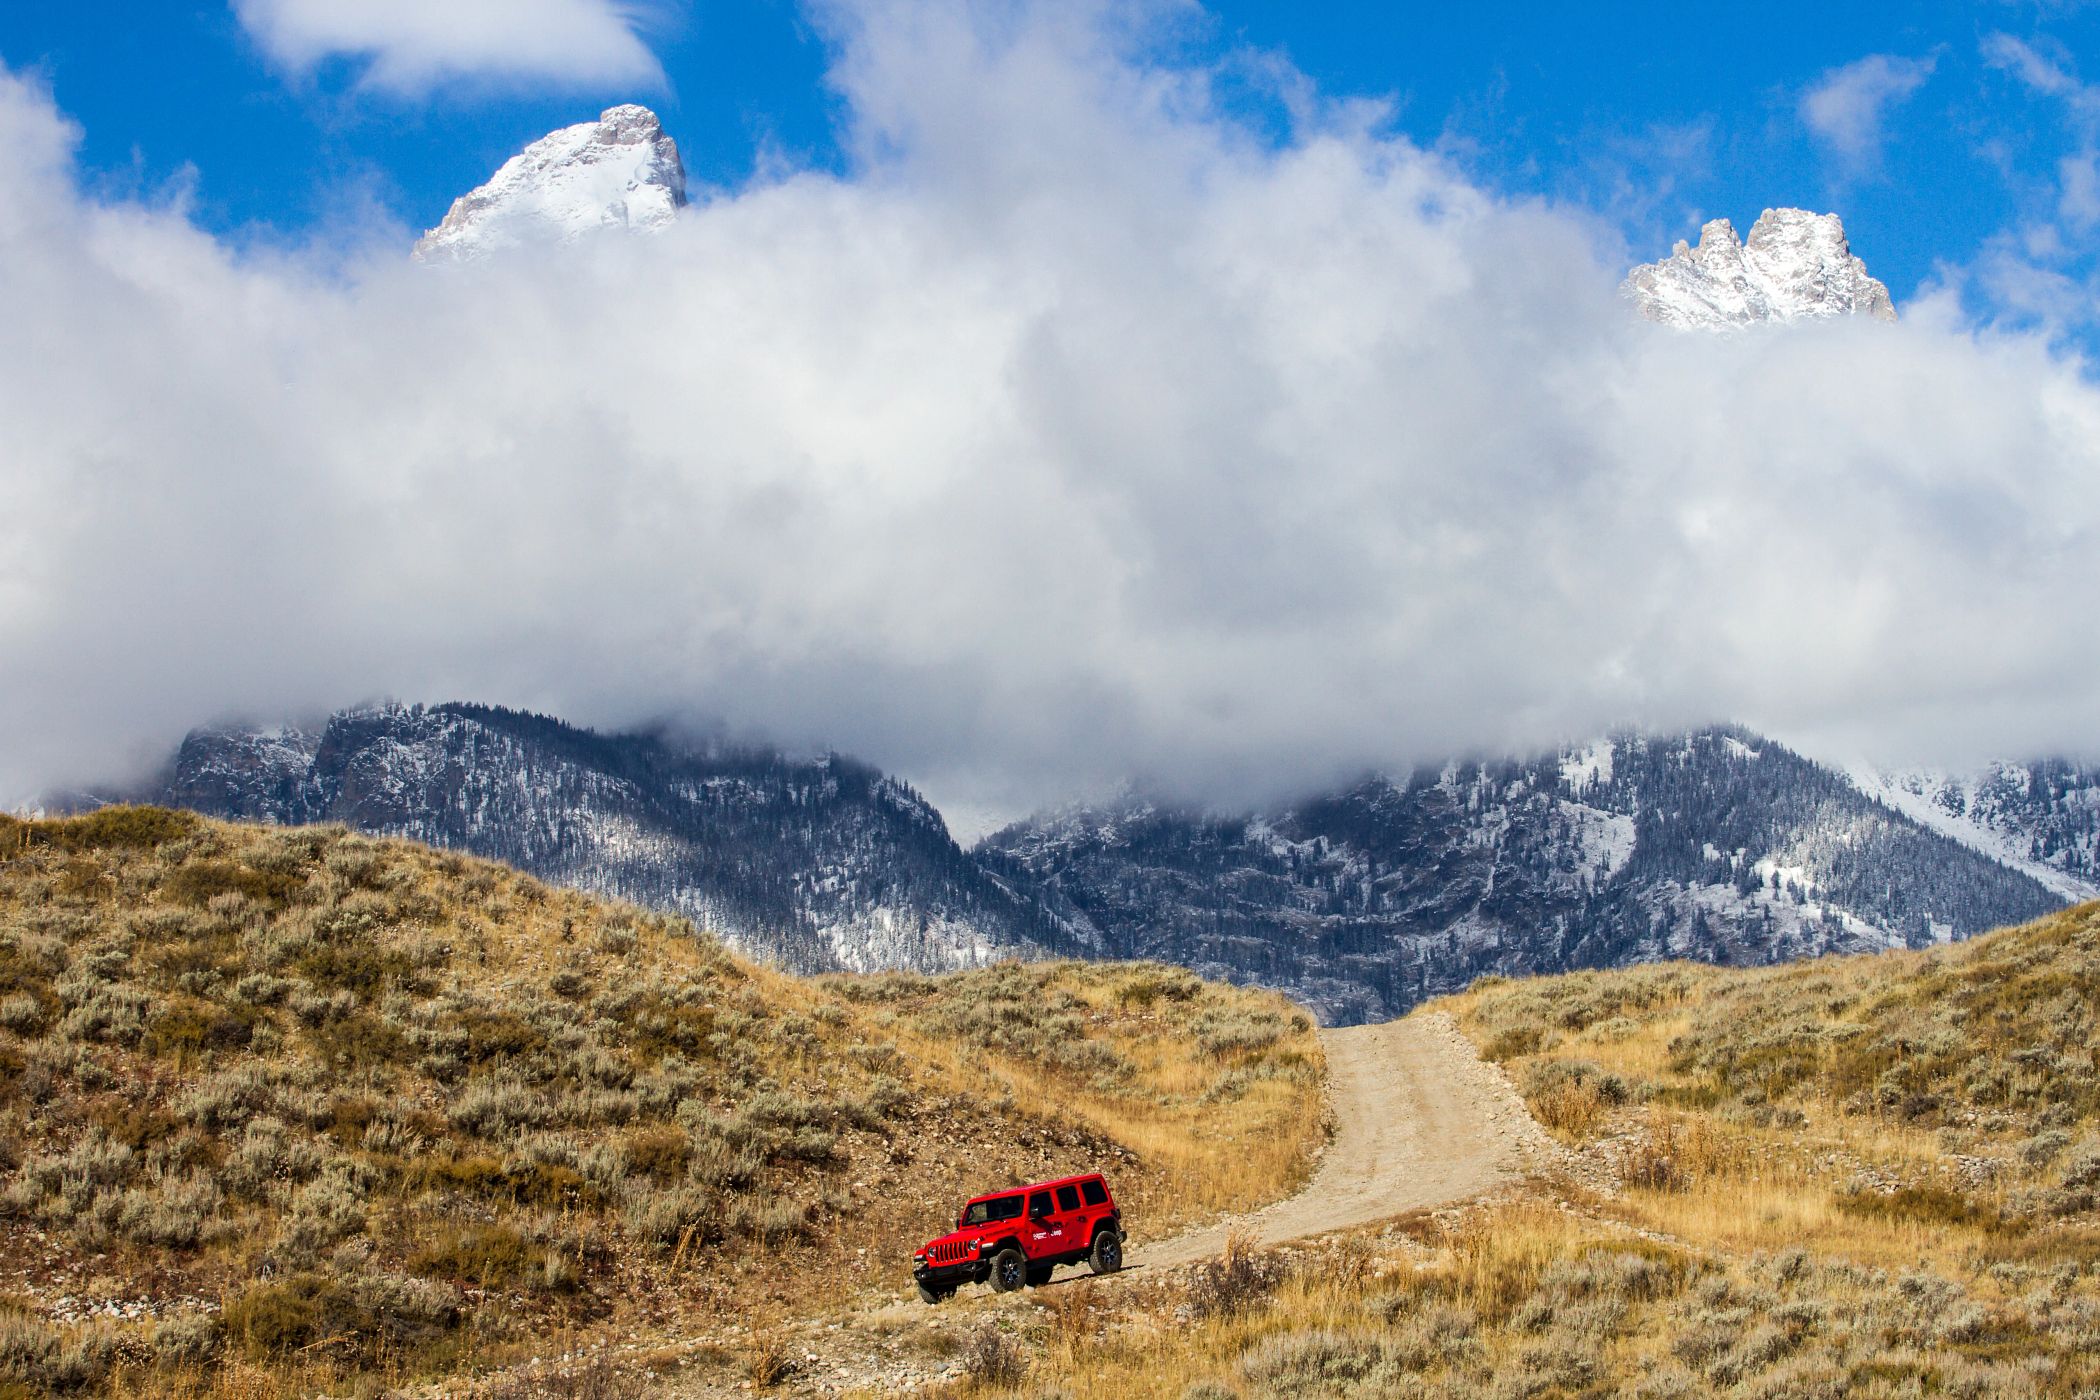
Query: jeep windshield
{"x": 985, "y": 1212}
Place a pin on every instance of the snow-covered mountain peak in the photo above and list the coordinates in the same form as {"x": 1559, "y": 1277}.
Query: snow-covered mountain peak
{"x": 620, "y": 171}
{"x": 1794, "y": 265}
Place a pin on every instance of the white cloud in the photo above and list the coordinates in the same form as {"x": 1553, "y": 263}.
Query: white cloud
{"x": 2078, "y": 192}
{"x": 2037, "y": 70}
{"x": 410, "y": 46}
{"x": 1076, "y": 435}
{"x": 2041, "y": 269}
{"x": 1848, "y": 106}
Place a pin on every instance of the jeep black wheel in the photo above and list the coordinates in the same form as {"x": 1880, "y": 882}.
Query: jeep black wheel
{"x": 1107, "y": 1254}
{"x": 930, "y": 1294}
{"x": 1009, "y": 1270}
{"x": 1039, "y": 1274}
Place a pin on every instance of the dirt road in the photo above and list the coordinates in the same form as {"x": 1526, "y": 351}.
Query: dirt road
{"x": 1420, "y": 1120}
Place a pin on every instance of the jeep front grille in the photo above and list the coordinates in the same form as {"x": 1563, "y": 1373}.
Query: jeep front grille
{"x": 949, "y": 1253}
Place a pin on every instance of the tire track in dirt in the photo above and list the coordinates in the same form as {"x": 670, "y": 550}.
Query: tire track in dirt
{"x": 1420, "y": 1121}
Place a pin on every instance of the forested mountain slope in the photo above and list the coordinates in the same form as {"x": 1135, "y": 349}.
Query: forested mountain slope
{"x": 818, "y": 864}
{"x": 1716, "y": 845}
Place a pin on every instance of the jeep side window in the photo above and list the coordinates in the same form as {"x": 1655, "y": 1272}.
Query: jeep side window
{"x": 1039, "y": 1205}
{"x": 1068, "y": 1198}
{"x": 1096, "y": 1194}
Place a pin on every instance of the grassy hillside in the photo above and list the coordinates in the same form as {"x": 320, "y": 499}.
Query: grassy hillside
{"x": 287, "y": 1111}
{"x": 1940, "y": 1103}
{"x": 1874, "y": 1176}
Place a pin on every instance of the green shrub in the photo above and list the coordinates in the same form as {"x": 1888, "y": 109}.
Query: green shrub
{"x": 228, "y": 1098}
{"x": 684, "y": 1216}
{"x": 992, "y": 1358}
{"x": 1237, "y": 1280}
{"x": 350, "y": 960}
{"x": 1932, "y": 1204}
{"x": 487, "y": 1036}
{"x": 1514, "y": 1042}
{"x": 497, "y": 1108}
{"x": 22, "y": 1013}
{"x": 1315, "y": 1363}
{"x": 45, "y": 1360}
{"x": 174, "y": 1213}
{"x": 659, "y": 1152}
{"x": 1149, "y": 985}
{"x": 186, "y": 1339}
{"x": 357, "y": 1319}
{"x": 189, "y": 1030}
{"x": 772, "y": 1223}
{"x": 478, "y": 1256}
{"x": 112, "y": 828}
{"x": 199, "y": 882}
{"x": 112, "y": 1013}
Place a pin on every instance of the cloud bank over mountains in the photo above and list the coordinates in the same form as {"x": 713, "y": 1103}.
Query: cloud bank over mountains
{"x": 1079, "y": 432}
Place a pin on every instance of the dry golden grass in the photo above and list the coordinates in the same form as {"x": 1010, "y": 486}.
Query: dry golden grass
{"x": 1207, "y": 1085}
{"x": 1528, "y": 1300}
{"x": 400, "y": 1114}
{"x": 1863, "y": 1177}
{"x": 1933, "y": 1104}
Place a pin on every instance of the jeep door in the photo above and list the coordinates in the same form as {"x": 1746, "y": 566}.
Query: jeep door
{"x": 1046, "y": 1230}
{"x": 1078, "y": 1226}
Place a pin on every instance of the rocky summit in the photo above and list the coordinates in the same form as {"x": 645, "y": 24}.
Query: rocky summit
{"x": 1794, "y": 266}
{"x": 620, "y": 171}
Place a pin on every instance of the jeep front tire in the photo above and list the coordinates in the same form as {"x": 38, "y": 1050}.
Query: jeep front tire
{"x": 1009, "y": 1270}
{"x": 930, "y": 1294}
{"x": 1107, "y": 1254}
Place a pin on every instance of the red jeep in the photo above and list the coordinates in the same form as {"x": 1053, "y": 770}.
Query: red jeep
{"x": 1014, "y": 1237}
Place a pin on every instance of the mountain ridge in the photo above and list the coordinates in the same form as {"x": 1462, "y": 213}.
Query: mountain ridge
{"x": 1361, "y": 901}
{"x": 1717, "y": 845}
{"x": 819, "y": 864}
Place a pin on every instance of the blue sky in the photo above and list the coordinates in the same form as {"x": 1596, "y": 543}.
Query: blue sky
{"x": 1942, "y": 142}
{"x": 1230, "y": 399}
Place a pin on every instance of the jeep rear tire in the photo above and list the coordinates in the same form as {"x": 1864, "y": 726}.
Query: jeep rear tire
{"x": 928, "y": 1294}
{"x": 1107, "y": 1254}
{"x": 1009, "y": 1270}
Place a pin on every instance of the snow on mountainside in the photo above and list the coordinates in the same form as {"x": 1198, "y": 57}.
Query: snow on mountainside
{"x": 620, "y": 171}
{"x": 820, "y": 864}
{"x": 1717, "y": 845}
{"x": 1794, "y": 265}
{"x": 2042, "y": 818}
